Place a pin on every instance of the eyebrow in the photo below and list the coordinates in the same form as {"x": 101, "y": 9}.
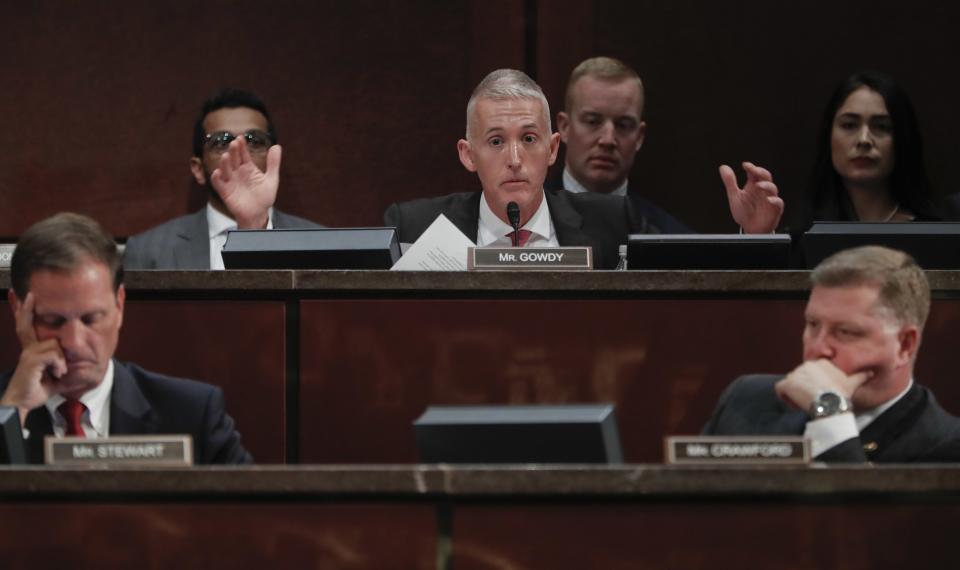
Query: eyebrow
{"x": 852, "y": 115}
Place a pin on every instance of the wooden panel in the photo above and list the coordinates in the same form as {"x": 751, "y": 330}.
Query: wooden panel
{"x": 368, "y": 98}
{"x": 748, "y": 80}
{"x": 690, "y": 535}
{"x": 371, "y": 367}
{"x": 215, "y": 535}
{"x": 238, "y": 346}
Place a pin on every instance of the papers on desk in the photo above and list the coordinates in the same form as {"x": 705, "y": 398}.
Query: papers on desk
{"x": 442, "y": 247}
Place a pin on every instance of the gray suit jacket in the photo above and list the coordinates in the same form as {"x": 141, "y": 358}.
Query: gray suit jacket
{"x": 596, "y": 220}
{"x": 915, "y": 429}
{"x": 184, "y": 242}
{"x": 143, "y": 402}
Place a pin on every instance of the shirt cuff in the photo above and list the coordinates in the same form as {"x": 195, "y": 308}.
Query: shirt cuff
{"x": 830, "y": 431}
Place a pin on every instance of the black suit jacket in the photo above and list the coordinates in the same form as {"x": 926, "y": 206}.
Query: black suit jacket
{"x": 915, "y": 429}
{"x": 143, "y": 403}
{"x": 184, "y": 242}
{"x": 648, "y": 218}
{"x": 596, "y": 220}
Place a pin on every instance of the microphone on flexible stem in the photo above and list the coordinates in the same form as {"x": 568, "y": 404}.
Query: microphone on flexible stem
{"x": 513, "y": 214}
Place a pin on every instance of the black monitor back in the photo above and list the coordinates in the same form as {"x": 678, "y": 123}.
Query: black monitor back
{"x": 313, "y": 248}
{"x": 518, "y": 434}
{"x": 708, "y": 251}
{"x": 935, "y": 245}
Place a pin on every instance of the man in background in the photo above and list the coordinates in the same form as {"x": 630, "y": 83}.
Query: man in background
{"x": 237, "y": 158}
{"x": 603, "y": 129}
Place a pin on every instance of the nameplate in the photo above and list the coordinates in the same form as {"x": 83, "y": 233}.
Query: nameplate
{"x": 150, "y": 450}
{"x": 521, "y": 258}
{"x": 737, "y": 449}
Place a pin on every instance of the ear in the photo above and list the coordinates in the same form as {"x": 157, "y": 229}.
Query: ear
{"x": 196, "y": 168}
{"x": 466, "y": 155}
{"x": 554, "y": 147}
{"x": 909, "y": 342}
{"x": 563, "y": 126}
{"x": 643, "y": 134}
{"x": 121, "y": 299}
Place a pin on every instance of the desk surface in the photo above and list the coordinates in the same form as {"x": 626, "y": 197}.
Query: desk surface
{"x": 417, "y": 482}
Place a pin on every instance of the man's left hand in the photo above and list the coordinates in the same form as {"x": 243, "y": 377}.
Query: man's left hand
{"x": 246, "y": 191}
{"x": 757, "y": 207}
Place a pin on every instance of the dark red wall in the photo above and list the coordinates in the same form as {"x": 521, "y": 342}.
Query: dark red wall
{"x": 98, "y": 99}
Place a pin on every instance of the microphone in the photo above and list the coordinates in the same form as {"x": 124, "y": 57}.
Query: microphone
{"x": 513, "y": 214}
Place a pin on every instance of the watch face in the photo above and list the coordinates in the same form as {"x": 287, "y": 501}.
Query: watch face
{"x": 829, "y": 403}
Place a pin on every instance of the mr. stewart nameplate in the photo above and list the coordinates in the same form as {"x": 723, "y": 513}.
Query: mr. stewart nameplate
{"x": 709, "y": 449}
{"x": 522, "y": 258}
{"x": 147, "y": 450}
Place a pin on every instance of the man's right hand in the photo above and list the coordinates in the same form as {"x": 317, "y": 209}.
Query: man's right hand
{"x": 807, "y": 381}
{"x": 40, "y": 362}
{"x": 247, "y": 192}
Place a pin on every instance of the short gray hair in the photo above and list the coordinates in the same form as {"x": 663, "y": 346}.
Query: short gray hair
{"x": 902, "y": 284}
{"x": 506, "y": 84}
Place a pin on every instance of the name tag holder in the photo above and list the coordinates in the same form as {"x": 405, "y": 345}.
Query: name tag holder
{"x": 133, "y": 450}
{"x": 714, "y": 450}
{"x": 530, "y": 258}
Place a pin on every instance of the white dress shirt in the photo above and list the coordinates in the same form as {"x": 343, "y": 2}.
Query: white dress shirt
{"x": 492, "y": 231}
{"x": 570, "y": 183}
{"x": 219, "y": 224}
{"x": 834, "y": 430}
{"x": 96, "y": 418}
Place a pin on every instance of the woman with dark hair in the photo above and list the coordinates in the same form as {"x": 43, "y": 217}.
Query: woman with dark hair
{"x": 869, "y": 163}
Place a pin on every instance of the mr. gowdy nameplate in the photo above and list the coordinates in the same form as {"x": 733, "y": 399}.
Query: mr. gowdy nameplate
{"x": 736, "y": 449}
{"x": 521, "y": 258}
{"x": 151, "y": 450}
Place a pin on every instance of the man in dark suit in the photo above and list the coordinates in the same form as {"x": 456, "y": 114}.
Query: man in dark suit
{"x": 67, "y": 298}
{"x": 854, "y": 395}
{"x": 510, "y": 145}
{"x": 237, "y": 158}
{"x": 602, "y": 128}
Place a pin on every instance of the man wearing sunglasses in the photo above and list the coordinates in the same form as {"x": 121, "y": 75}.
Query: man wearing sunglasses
{"x": 237, "y": 158}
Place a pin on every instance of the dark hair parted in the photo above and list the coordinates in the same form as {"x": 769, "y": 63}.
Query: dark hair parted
{"x": 62, "y": 243}
{"x": 229, "y": 99}
{"x": 911, "y": 189}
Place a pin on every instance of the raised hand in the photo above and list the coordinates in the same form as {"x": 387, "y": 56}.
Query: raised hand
{"x": 246, "y": 191}
{"x": 757, "y": 207}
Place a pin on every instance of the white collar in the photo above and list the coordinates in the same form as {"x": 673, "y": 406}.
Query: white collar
{"x": 97, "y": 402}
{"x": 219, "y": 223}
{"x": 493, "y": 231}
{"x": 571, "y": 184}
{"x": 865, "y": 417}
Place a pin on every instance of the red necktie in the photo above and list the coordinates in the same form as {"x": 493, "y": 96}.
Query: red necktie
{"x": 72, "y": 411}
{"x": 524, "y": 236}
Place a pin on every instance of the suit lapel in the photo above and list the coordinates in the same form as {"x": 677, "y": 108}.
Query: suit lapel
{"x": 567, "y": 222}
{"x": 893, "y": 423}
{"x": 129, "y": 408}
{"x": 192, "y": 247}
{"x": 465, "y": 215}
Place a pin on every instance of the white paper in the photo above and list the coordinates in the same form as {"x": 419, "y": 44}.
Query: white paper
{"x": 442, "y": 247}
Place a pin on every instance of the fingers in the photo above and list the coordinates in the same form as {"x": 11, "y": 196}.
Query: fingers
{"x": 273, "y": 161}
{"x": 756, "y": 173}
{"x": 24, "y": 317}
{"x": 243, "y": 151}
{"x": 729, "y": 181}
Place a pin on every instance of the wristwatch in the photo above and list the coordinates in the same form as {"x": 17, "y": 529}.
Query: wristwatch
{"x": 828, "y": 403}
